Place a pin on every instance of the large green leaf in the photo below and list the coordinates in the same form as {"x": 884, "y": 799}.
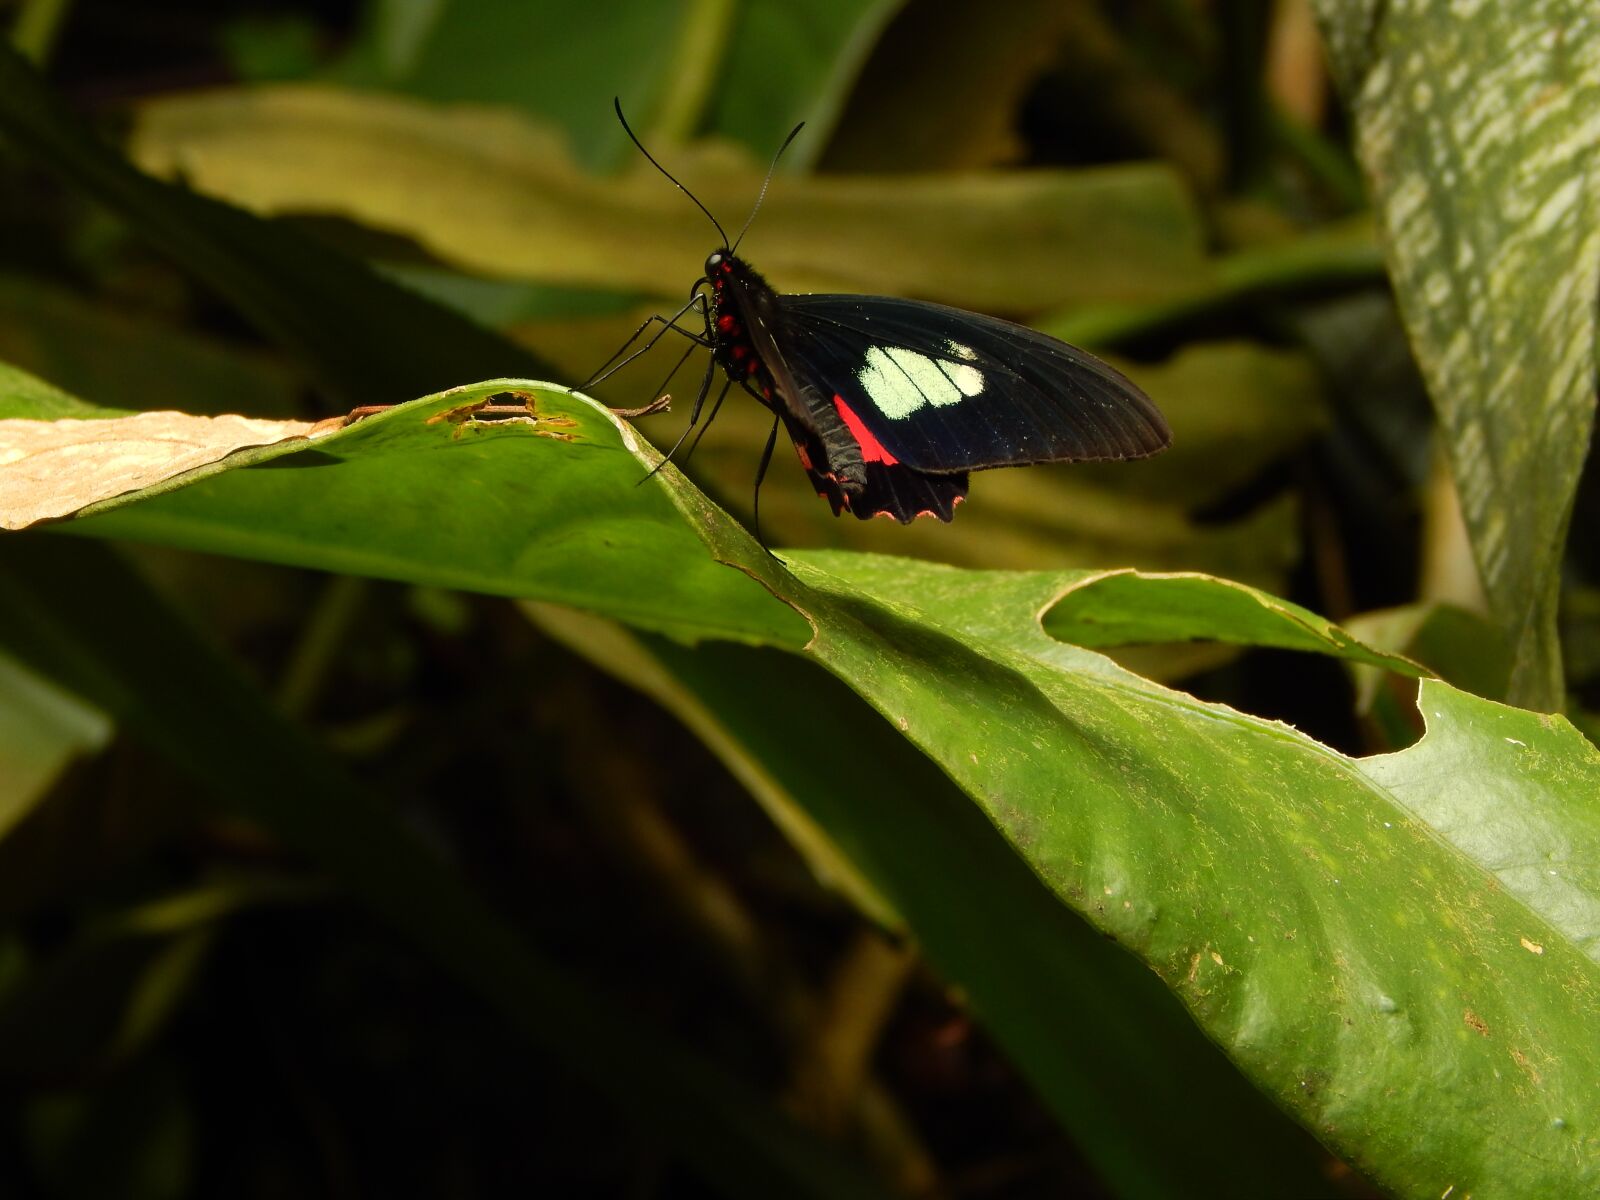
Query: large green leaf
{"x": 492, "y": 192}
{"x": 1390, "y": 970}
{"x": 1367, "y": 950}
{"x": 1479, "y": 126}
{"x": 500, "y": 508}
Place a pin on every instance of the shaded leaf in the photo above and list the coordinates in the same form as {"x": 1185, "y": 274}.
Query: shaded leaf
{"x": 208, "y": 720}
{"x": 779, "y": 783}
{"x": 25, "y": 395}
{"x": 138, "y": 364}
{"x": 1116, "y": 1059}
{"x": 789, "y": 61}
{"x": 42, "y": 730}
{"x": 1478, "y": 130}
{"x": 553, "y": 60}
{"x": 1458, "y": 646}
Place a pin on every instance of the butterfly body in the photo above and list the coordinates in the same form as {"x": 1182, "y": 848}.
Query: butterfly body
{"x": 889, "y": 403}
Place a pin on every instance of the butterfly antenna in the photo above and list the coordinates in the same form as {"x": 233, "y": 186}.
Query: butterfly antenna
{"x": 793, "y": 133}
{"x": 617, "y": 102}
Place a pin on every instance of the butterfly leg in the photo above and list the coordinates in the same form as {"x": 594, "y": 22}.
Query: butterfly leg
{"x": 611, "y": 366}
{"x": 694, "y": 414}
{"x": 715, "y": 409}
{"x": 761, "y": 473}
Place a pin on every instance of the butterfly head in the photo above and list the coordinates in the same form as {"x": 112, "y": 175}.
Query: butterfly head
{"x": 719, "y": 263}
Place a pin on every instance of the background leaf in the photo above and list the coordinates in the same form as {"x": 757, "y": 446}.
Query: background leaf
{"x": 1479, "y": 134}
{"x": 494, "y": 193}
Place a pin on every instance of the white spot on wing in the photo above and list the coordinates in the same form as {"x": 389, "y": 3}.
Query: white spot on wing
{"x": 900, "y": 381}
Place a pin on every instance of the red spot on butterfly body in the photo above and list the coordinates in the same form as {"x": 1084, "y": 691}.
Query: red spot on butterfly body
{"x": 872, "y": 450}
{"x": 726, "y": 323}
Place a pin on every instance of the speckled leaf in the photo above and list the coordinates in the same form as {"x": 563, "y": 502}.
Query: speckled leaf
{"x": 1479, "y": 126}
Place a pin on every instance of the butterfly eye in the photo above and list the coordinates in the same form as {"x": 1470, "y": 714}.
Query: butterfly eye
{"x": 714, "y": 263}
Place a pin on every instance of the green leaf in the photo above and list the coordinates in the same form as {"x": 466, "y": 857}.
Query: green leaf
{"x": 790, "y": 61}
{"x": 748, "y": 69}
{"x": 1348, "y": 955}
{"x": 1427, "y": 1016}
{"x": 557, "y": 61}
{"x": 1478, "y": 131}
{"x": 1123, "y": 607}
{"x": 551, "y": 507}
{"x": 1375, "y": 943}
{"x": 495, "y": 194}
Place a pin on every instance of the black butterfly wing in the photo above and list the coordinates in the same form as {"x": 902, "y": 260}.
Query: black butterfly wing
{"x": 942, "y": 390}
{"x": 883, "y": 489}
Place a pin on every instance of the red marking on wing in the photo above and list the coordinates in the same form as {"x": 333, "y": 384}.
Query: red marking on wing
{"x": 805, "y": 457}
{"x": 872, "y": 449}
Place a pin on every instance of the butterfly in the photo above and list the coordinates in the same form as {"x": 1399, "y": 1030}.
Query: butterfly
{"x": 890, "y": 403}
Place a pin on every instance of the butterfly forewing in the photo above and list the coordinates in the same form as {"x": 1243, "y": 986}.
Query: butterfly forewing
{"x": 942, "y": 390}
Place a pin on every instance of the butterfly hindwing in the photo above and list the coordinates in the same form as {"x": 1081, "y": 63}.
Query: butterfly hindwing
{"x": 939, "y": 390}
{"x": 888, "y": 489}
